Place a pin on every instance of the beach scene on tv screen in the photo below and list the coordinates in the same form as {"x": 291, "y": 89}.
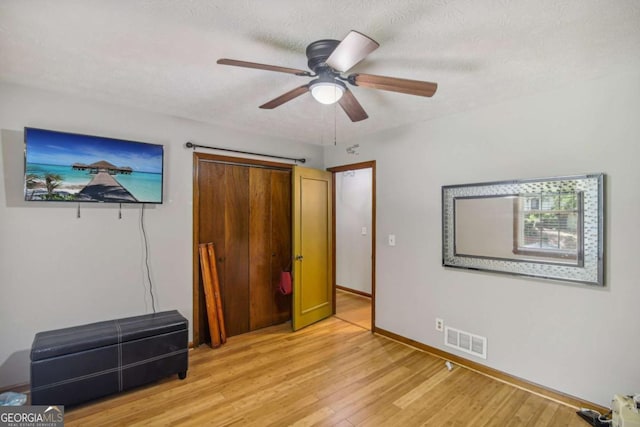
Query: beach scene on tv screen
{"x": 70, "y": 167}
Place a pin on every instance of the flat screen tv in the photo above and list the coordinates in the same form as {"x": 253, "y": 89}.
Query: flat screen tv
{"x": 62, "y": 166}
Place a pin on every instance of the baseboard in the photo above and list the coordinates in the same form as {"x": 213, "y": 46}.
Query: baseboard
{"x": 18, "y": 388}
{"x": 353, "y": 291}
{"x": 556, "y": 396}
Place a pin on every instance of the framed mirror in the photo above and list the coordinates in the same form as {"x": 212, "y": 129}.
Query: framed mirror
{"x": 549, "y": 228}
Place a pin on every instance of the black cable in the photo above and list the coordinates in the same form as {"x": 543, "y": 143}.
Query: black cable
{"x": 146, "y": 258}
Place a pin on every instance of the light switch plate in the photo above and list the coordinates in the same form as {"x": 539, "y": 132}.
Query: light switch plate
{"x": 392, "y": 239}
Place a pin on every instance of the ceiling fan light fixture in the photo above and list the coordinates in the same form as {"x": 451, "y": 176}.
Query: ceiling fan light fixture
{"x": 327, "y": 92}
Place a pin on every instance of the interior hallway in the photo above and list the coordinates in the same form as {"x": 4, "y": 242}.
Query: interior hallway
{"x": 353, "y": 308}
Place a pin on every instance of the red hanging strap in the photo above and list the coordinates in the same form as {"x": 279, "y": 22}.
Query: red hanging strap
{"x": 285, "y": 283}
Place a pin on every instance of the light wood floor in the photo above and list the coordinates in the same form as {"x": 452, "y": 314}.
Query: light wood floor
{"x": 332, "y": 373}
{"x": 353, "y": 308}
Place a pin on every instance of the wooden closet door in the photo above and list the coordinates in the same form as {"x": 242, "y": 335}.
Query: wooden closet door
{"x": 246, "y": 212}
{"x": 261, "y": 291}
{"x": 280, "y": 239}
{"x": 235, "y": 292}
{"x": 211, "y": 211}
{"x": 269, "y": 245}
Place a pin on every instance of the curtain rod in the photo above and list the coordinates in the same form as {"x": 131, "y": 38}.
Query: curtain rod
{"x": 194, "y": 146}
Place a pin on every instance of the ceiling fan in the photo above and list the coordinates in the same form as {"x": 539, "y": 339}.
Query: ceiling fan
{"x": 328, "y": 59}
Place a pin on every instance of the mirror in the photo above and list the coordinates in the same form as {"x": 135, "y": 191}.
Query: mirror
{"x": 550, "y": 228}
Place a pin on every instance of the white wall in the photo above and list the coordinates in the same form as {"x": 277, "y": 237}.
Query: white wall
{"x": 577, "y": 339}
{"x": 57, "y": 270}
{"x": 353, "y": 212}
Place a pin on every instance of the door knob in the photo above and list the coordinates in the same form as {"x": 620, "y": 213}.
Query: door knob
{"x": 299, "y": 257}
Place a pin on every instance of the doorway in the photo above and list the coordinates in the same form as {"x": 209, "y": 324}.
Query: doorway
{"x": 243, "y": 207}
{"x": 354, "y": 243}
{"x": 256, "y": 212}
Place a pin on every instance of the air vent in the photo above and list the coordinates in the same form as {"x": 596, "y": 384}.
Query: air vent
{"x": 464, "y": 341}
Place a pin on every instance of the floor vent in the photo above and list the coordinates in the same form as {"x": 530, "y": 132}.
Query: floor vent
{"x": 464, "y": 341}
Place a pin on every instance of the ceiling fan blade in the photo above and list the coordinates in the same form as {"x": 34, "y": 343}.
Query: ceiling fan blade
{"x": 352, "y": 107}
{"x": 225, "y": 61}
{"x": 285, "y": 97}
{"x": 394, "y": 84}
{"x": 351, "y": 50}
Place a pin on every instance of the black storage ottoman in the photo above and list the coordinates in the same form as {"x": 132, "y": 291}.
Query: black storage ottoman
{"x": 73, "y": 365}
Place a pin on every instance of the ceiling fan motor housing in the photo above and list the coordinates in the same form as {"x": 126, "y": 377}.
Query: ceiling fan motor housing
{"x": 318, "y": 52}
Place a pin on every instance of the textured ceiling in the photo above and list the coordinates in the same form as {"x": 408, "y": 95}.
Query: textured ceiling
{"x": 160, "y": 55}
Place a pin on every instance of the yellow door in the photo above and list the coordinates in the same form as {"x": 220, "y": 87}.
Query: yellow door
{"x": 312, "y": 265}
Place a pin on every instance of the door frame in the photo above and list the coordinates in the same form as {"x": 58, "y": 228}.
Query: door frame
{"x": 343, "y": 168}
{"x": 198, "y": 334}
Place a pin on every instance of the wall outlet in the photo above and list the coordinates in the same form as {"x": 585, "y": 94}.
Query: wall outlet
{"x": 439, "y": 325}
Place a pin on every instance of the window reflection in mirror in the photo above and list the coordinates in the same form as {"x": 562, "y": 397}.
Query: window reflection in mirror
{"x": 549, "y": 225}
